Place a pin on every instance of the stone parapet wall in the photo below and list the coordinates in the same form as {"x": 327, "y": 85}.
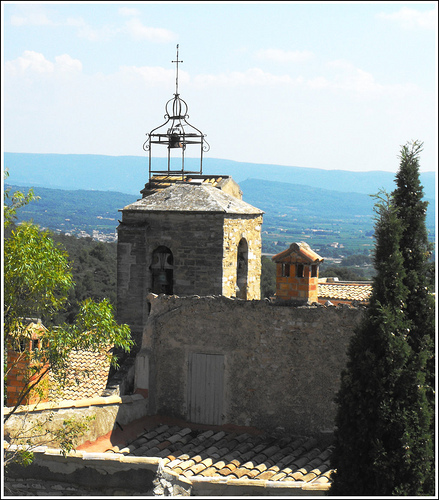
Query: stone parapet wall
{"x": 282, "y": 364}
{"x": 106, "y": 411}
{"x": 81, "y": 473}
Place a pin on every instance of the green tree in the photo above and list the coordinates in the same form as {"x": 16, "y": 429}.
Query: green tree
{"x": 343, "y": 273}
{"x": 383, "y": 442}
{"x": 416, "y": 251}
{"x": 37, "y": 281}
{"x": 268, "y": 277}
{"x": 13, "y": 201}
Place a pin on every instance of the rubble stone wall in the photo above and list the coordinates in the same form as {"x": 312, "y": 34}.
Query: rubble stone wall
{"x": 204, "y": 249}
{"x": 236, "y": 229}
{"x": 82, "y": 474}
{"x": 282, "y": 364}
{"x": 105, "y": 412}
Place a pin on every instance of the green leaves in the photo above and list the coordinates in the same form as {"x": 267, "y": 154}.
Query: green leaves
{"x": 37, "y": 282}
{"x": 37, "y": 275}
{"x": 12, "y": 202}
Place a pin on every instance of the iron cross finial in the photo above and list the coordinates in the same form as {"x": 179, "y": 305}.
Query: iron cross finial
{"x": 176, "y": 78}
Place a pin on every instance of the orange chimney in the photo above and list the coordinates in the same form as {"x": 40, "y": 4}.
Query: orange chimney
{"x": 24, "y": 367}
{"x": 297, "y": 273}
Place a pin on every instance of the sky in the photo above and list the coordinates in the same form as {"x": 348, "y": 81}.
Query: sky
{"x": 331, "y": 85}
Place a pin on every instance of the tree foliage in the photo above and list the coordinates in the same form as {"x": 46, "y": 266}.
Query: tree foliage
{"x": 37, "y": 276}
{"x": 14, "y": 201}
{"x": 384, "y": 441}
{"x": 416, "y": 250}
{"x": 37, "y": 282}
{"x": 93, "y": 266}
{"x": 268, "y": 277}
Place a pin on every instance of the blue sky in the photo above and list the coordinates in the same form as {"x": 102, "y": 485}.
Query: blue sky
{"x": 333, "y": 85}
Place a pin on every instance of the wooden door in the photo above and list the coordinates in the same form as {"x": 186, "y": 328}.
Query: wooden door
{"x": 205, "y": 388}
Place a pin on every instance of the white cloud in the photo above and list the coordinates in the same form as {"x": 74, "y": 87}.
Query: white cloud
{"x": 141, "y": 32}
{"x": 347, "y": 77}
{"x": 284, "y": 56}
{"x": 65, "y": 63}
{"x": 31, "y": 15}
{"x": 320, "y": 82}
{"x": 154, "y": 75}
{"x": 30, "y": 61}
{"x": 253, "y": 76}
{"x": 410, "y": 18}
{"x": 89, "y": 33}
{"x": 35, "y": 63}
{"x": 128, "y": 12}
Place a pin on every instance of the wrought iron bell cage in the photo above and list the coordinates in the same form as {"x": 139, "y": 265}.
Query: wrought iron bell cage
{"x": 176, "y": 133}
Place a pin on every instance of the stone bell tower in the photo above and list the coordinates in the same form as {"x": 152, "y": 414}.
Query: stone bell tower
{"x": 189, "y": 234}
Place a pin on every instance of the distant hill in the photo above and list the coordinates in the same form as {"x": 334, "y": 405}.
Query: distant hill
{"x": 277, "y": 198}
{"x": 74, "y": 211}
{"x": 128, "y": 174}
{"x": 291, "y": 211}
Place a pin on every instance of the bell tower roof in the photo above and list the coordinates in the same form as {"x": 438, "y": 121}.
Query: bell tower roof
{"x": 176, "y": 134}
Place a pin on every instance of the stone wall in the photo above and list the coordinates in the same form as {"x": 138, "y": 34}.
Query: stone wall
{"x": 282, "y": 364}
{"x": 195, "y": 240}
{"x": 106, "y": 411}
{"x": 235, "y": 229}
{"x": 204, "y": 249}
{"x": 82, "y": 474}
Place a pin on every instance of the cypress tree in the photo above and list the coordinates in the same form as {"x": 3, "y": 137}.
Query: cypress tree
{"x": 416, "y": 251}
{"x": 382, "y": 426}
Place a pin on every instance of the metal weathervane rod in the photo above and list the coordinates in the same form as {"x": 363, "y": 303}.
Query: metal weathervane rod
{"x": 176, "y": 78}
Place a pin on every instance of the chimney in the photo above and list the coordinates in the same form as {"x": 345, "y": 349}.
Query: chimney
{"x": 24, "y": 367}
{"x": 297, "y": 274}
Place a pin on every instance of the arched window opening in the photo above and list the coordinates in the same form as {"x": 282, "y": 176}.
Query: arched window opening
{"x": 242, "y": 270}
{"x": 162, "y": 270}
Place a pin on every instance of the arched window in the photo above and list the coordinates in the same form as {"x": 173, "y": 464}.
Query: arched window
{"x": 162, "y": 270}
{"x": 242, "y": 270}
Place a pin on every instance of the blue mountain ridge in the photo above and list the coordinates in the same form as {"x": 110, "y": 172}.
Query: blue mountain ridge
{"x": 128, "y": 174}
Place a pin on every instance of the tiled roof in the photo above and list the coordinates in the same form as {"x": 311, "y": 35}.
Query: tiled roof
{"x": 359, "y": 292}
{"x": 301, "y": 249}
{"x": 218, "y": 454}
{"x": 86, "y": 377}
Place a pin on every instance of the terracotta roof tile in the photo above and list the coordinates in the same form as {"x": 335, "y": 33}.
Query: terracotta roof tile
{"x": 86, "y": 377}
{"x": 236, "y": 456}
{"x": 359, "y": 292}
{"x": 301, "y": 249}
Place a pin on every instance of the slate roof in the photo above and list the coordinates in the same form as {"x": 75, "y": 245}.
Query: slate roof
{"x": 359, "y": 292}
{"x": 193, "y": 198}
{"x": 221, "y": 454}
{"x": 86, "y": 377}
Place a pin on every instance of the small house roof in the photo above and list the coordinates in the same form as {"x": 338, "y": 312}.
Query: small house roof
{"x": 187, "y": 197}
{"x": 348, "y": 292}
{"x": 301, "y": 250}
{"x": 87, "y": 376}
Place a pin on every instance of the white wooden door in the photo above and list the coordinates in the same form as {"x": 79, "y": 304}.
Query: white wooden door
{"x": 205, "y": 388}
